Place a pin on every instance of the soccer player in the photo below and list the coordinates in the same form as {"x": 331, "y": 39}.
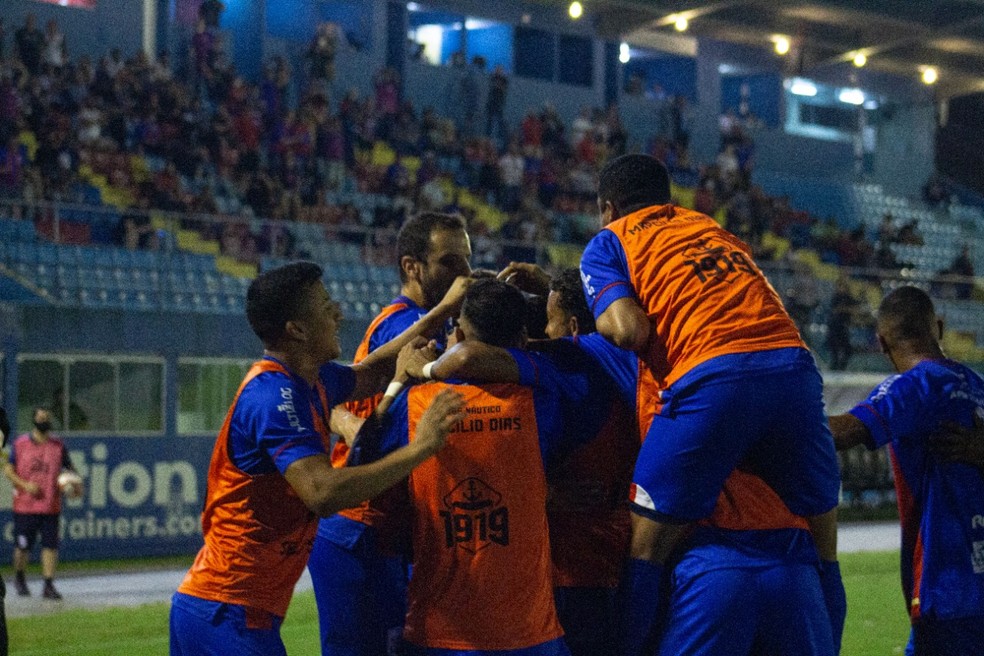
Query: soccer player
{"x": 746, "y": 503}
{"x": 270, "y": 475}
{"x": 482, "y": 572}
{"x": 736, "y": 387}
{"x": 359, "y": 584}
{"x": 941, "y": 503}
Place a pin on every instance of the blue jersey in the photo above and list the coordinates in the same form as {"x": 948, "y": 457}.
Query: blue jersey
{"x": 621, "y": 366}
{"x": 272, "y": 424}
{"x": 563, "y": 399}
{"x": 941, "y": 504}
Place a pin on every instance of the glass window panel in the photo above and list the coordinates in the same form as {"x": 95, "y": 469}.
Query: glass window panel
{"x": 191, "y": 419}
{"x": 576, "y": 60}
{"x": 141, "y": 396}
{"x": 40, "y": 384}
{"x": 92, "y": 397}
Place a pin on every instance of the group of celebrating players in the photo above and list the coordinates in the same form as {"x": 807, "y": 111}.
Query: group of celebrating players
{"x": 657, "y": 476}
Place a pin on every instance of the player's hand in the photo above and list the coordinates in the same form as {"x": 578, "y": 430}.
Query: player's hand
{"x": 445, "y": 412}
{"x": 33, "y": 489}
{"x": 451, "y": 303}
{"x": 406, "y": 356}
{"x": 527, "y": 277}
{"x": 412, "y": 360}
{"x": 958, "y": 444}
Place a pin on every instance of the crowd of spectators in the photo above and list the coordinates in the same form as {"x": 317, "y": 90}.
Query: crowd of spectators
{"x": 192, "y": 136}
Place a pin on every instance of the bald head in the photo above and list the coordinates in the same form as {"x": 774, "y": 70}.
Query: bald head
{"x": 907, "y": 315}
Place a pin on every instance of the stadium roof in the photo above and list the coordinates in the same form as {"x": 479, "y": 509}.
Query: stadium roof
{"x": 896, "y": 36}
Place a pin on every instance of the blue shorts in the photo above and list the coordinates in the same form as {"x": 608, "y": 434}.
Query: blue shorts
{"x": 211, "y": 628}
{"x": 766, "y": 611}
{"x": 588, "y": 618}
{"x": 551, "y": 648}
{"x": 361, "y": 592}
{"x": 761, "y": 412}
{"x": 957, "y": 637}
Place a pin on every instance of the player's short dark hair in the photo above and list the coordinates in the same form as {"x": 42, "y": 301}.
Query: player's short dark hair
{"x": 570, "y": 298}
{"x": 906, "y": 314}
{"x": 278, "y": 296}
{"x": 414, "y": 236}
{"x": 632, "y": 182}
{"x": 497, "y": 312}
{"x": 536, "y": 316}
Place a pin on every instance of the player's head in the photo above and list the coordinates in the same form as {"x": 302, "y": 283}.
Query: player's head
{"x": 567, "y": 310}
{"x": 41, "y": 418}
{"x": 629, "y": 183}
{"x": 494, "y": 313}
{"x": 433, "y": 249}
{"x": 289, "y": 306}
{"x": 907, "y": 320}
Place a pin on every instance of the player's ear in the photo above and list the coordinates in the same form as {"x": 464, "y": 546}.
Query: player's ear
{"x": 295, "y": 330}
{"x": 883, "y": 344}
{"x": 572, "y": 325}
{"x": 410, "y": 267}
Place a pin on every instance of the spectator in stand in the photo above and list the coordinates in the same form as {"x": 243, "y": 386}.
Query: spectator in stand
{"x": 909, "y": 234}
{"x": 511, "y": 169}
{"x": 387, "y": 85}
{"x": 935, "y": 192}
{"x": 55, "y": 53}
{"x": 29, "y": 41}
{"x": 3, "y": 39}
{"x": 844, "y": 311}
{"x": 13, "y": 159}
{"x": 210, "y": 11}
{"x": 963, "y": 267}
{"x": 321, "y": 54}
{"x": 803, "y": 296}
{"x": 495, "y": 105}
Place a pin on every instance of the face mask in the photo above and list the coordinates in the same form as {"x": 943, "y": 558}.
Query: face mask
{"x": 43, "y": 426}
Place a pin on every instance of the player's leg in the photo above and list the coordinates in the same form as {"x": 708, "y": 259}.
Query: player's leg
{"x": 710, "y": 612}
{"x": 49, "y": 555}
{"x": 25, "y": 531}
{"x": 793, "y": 617}
{"x": 387, "y": 596}
{"x": 338, "y": 574}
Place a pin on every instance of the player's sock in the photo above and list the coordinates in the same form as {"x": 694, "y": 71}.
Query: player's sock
{"x": 639, "y": 605}
{"x": 20, "y": 583}
{"x": 835, "y": 598}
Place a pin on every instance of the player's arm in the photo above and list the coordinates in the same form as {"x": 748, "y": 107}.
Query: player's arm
{"x": 955, "y": 443}
{"x": 849, "y": 432}
{"x": 326, "y": 490}
{"x": 377, "y": 368}
{"x": 345, "y": 424}
{"x": 624, "y": 323}
{"x": 608, "y": 290}
{"x": 469, "y": 360}
{"x": 528, "y": 277}
{"x": 20, "y": 484}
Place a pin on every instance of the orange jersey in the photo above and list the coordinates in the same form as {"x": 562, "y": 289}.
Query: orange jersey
{"x": 258, "y": 533}
{"x": 390, "y": 322}
{"x": 697, "y": 283}
{"x": 482, "y": 571}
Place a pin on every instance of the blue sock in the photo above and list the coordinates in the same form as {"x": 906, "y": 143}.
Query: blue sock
{"x": 835, "y": 598}
{"x": 639, "y": 605}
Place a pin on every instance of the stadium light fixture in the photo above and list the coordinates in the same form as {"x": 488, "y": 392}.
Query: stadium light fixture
{"x": 851, "y": 96}
{"x": 860, "y": 59}
{"x": 801, "y": 87}
{"x": 930, "y": 75}
{"x": 681, "y": 23}
{"x": 413, "y": 6}
{"x": 576, "y": 10}
{"x": 624, "y": 54}
{"x": 781, "y": 43}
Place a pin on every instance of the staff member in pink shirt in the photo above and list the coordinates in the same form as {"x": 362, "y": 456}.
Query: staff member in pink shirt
{"x": 36, "y": 460}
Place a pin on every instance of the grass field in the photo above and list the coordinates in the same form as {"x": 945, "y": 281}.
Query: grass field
{"x": 876, "y": 621}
